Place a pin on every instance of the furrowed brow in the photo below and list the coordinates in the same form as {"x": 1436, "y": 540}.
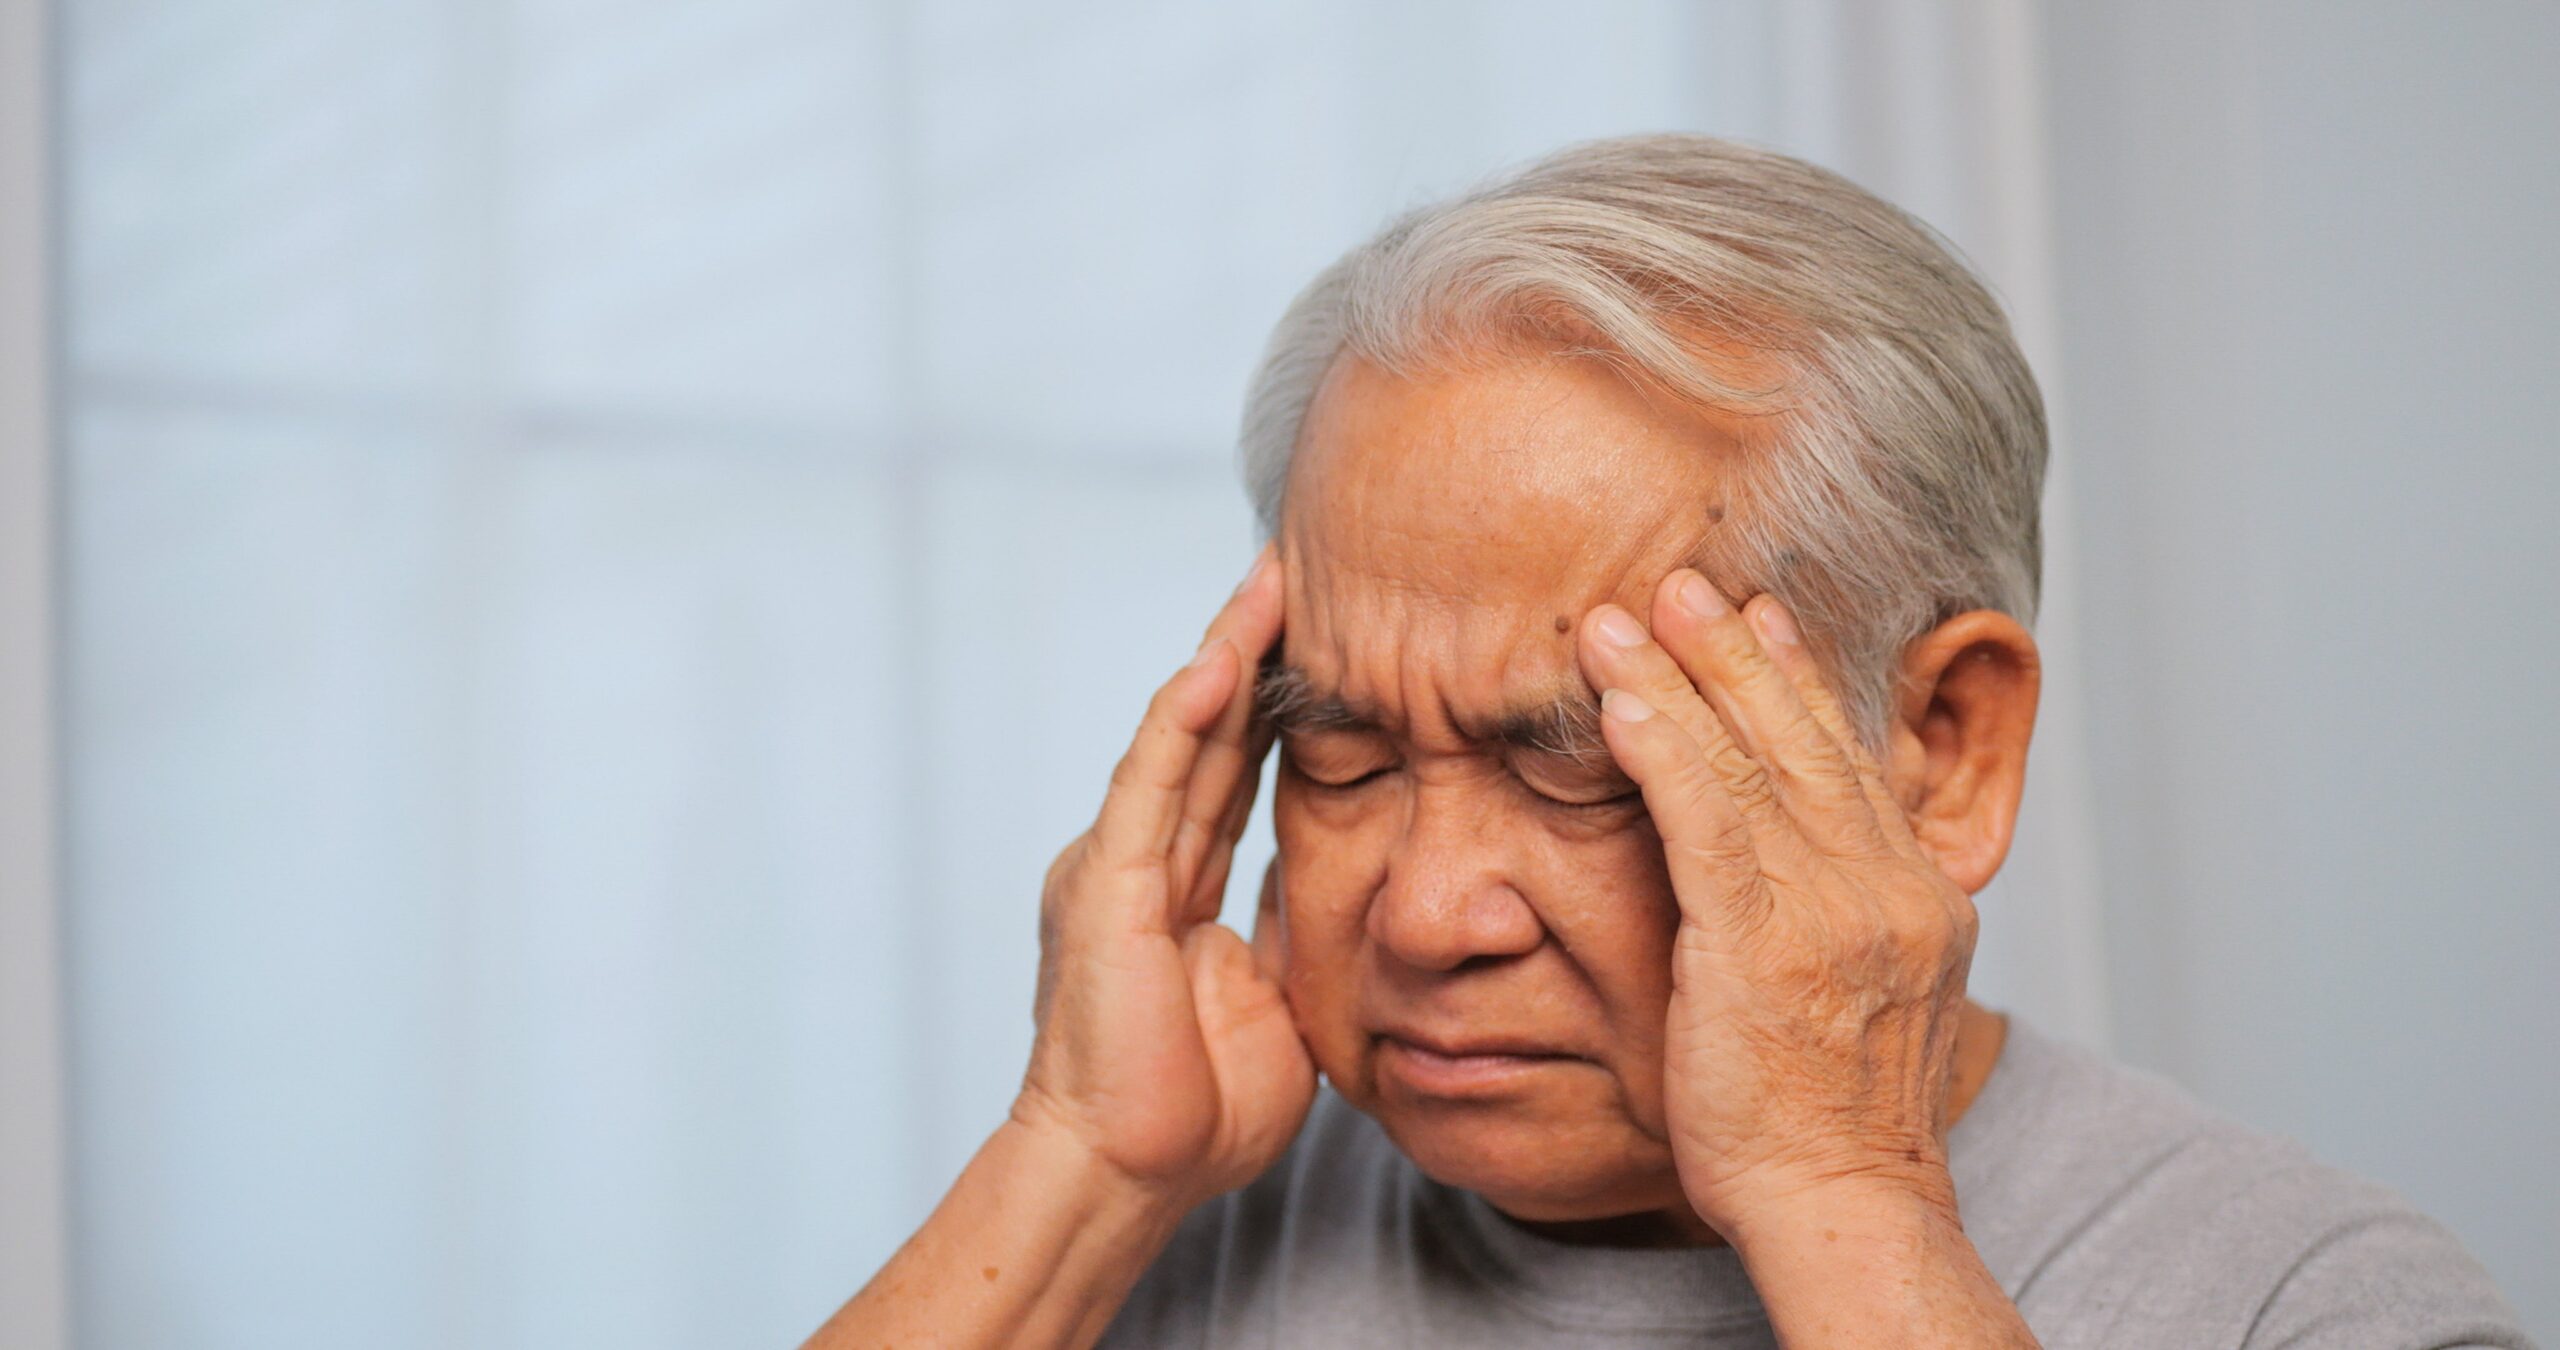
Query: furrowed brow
{"x": 1285, "y": 697}
{"x": 1566, "y": 726}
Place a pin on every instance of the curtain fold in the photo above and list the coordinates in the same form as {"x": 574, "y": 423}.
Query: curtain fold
{"x": 1940, "y": 108}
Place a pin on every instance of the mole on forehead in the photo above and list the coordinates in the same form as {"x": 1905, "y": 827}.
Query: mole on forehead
{"x": 1563, "y": 722}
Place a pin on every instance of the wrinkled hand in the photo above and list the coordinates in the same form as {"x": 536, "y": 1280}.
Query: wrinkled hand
{"x": 1161, "y": 1047}
{"x": 1820, "y": 966}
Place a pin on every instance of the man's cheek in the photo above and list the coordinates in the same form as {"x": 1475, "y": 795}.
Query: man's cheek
{"x": 1607, "y": 900}
{"x": 1318, "y": 970}
{"x": 1320, "y": 976}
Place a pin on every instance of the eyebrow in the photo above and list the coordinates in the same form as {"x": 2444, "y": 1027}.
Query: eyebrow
{"x": 1566, "y": 725}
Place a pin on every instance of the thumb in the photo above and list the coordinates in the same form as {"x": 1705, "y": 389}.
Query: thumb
{"x": 1225, "y": 986}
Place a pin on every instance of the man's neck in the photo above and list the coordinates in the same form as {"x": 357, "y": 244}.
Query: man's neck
{"x": 1980, "y": 1033}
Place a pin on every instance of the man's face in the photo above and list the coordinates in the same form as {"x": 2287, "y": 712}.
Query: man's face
{"x": 1477, "y": 920}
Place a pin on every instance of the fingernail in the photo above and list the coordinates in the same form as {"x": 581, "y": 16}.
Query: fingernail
{"x": 1626, "y": 707}
{"x": 1205, "y": 649}
{"x": 1620, "y": 628}
{"x": 1699, "y": 598}
{"x": 1776, "y": 624}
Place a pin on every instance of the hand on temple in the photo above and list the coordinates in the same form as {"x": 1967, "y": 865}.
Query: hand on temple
{"x": 1162, "y": 1047}
{"x": 1166, "y": 1068}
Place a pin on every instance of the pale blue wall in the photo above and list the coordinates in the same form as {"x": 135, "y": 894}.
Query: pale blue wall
{"x": 2312, "y": 339}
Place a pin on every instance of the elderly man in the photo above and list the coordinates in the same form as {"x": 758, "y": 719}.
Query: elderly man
{"x": 1643, "y": 630}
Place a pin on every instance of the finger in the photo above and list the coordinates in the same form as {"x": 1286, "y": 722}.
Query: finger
{"x": 1618, "y": 654}
{"x": 1724, "y": 658}
{"x": 1781, "y": 637}
{"x": 1220, "y": 795}
{"x": 1707, "y": 842}
{"x": 1143, "y": 807}
{"x": 1208, "y": 887}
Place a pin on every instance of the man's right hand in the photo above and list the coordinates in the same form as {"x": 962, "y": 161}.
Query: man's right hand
{"x": 1167, "y": 1068}
{"x": 1162, "y": 1049}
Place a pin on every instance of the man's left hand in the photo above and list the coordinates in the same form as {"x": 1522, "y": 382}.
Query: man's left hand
{"x": 1819, "y": 971}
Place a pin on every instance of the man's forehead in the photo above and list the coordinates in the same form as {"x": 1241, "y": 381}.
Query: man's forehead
{"x": 1540, "y": 480}
{"x": 1444, "y": 534}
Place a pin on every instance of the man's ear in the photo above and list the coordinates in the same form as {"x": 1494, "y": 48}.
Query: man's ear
{"x": 1271, "y": 927}
{"x": 1963, "y": 714}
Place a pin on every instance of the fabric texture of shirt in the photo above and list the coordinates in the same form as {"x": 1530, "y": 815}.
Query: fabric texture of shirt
{"x": 2113, "y": 1209}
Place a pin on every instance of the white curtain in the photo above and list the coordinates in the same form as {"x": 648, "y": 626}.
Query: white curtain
{"x": 1941, "y": 107}
{"x": 608, "y": 544}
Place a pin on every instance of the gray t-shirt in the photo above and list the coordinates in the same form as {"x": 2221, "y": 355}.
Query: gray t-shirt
{"x": 2114, "y": 1209}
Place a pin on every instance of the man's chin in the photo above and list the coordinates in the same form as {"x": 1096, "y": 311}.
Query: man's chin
{"x": 1539, "y": 1165}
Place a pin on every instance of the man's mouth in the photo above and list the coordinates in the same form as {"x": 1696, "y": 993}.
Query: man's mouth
{"x": 1433, "y": 1066}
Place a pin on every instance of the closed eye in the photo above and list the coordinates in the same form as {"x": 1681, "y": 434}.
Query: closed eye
{"x": 1603, "y": 804}
{"x": 1296, "y": 764}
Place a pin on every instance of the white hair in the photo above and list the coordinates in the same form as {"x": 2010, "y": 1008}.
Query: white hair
{"x": 1904, "y": 484}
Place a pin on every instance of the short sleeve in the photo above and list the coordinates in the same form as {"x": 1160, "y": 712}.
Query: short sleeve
{"x": 2385, "y": 1278}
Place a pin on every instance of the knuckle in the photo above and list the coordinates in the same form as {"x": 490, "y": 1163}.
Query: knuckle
{"x": 1728, "y": 634}
{"x": 1147, "y": 871}
{"x": 1773, "y": 699}
{"x": 1812, "y": 766}
{"x": 1131, "y": 770}
{"x": 1725, "y": 843}
{"x": 1964, "y": 921}
{"x": 1818, "y": 743}
{"x": 1192, "y": 841}
{"x": 1124, "y": 773}
{"x": 1160, "y": 703}
{"x": 1914, "y": 930}
{"x": 1062, "y": 869}
{"x": 1158, "y": 720}
{"x": 1752, "y": 791}
{"x": 1736, "y": 649}
{"x": 1879, "y": 951}
{"x": 1720, "y": 841}
{"x": 1928, "y": 939}
{"x": 1660, "y": 681}
{"x": 1698, "y": 795}
{"x": 1709, "y": 829}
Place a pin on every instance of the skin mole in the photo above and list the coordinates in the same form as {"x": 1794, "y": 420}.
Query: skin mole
{"x": 1563, "y": 624}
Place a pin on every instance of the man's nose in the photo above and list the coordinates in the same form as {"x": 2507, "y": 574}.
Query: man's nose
{"x": 1447, "y": 898}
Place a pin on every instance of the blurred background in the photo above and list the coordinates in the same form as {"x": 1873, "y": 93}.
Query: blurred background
{"x": 570, "y": 563}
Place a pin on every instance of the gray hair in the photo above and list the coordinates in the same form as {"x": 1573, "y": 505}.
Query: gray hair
{"x": 1905, "y": 487}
